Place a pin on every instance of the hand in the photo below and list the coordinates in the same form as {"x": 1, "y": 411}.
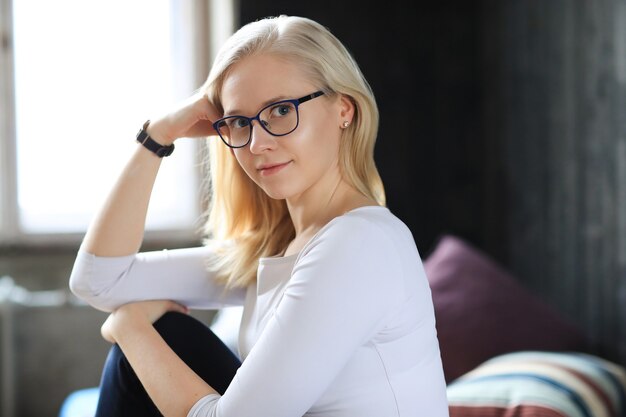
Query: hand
{"x": 191, "y": 118}
{"x": 138, "y": 313}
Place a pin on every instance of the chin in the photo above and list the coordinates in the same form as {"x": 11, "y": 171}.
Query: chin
{"x": 278, "y": 193}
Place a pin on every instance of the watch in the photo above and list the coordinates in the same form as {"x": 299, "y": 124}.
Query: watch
{"x": 151, "y": 144}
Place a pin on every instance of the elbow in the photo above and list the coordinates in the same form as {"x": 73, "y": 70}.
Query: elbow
{"x": 94, "y": 300}
{"x": 80, "y": 284}
{"x": 82, "y": 275}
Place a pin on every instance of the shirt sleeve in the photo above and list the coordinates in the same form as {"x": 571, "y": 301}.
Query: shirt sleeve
{"x": 180, "y": 275}
{"x": 343, "y": 288}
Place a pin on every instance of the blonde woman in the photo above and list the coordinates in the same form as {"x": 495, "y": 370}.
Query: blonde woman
{"x": 338, "y": 319}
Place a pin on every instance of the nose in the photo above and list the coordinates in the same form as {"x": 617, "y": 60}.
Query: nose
{"x": 260, "y": 139}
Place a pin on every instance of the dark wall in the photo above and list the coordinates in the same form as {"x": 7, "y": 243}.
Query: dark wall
{"x": 423, "y": 67}
{"x": 555, "y": 116}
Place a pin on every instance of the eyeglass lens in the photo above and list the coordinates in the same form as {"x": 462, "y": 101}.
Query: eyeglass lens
{"x": 279, "y": 119}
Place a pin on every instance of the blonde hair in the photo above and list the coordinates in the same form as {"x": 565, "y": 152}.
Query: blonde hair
{"x": 239, "y": 211}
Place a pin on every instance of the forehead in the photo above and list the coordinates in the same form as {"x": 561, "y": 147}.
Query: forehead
{"x": 256, "y": 79}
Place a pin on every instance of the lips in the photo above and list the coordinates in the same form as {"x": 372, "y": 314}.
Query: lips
{"x": 272, "y": 165}
{"x": 271, "y": 168}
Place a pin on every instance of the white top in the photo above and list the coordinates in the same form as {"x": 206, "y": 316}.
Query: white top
{"x": 345, "y": 328}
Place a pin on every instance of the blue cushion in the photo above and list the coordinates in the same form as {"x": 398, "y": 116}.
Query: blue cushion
{"x": 81, "y": 403}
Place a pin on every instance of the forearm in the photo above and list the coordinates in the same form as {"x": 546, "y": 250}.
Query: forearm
{"x": 118, "y": 228}
{"x": 170, "y": 383}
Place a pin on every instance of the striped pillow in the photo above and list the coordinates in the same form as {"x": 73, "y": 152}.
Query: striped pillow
{"x": 540, "y": 384}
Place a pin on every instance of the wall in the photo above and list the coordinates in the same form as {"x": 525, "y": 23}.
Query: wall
{"x": 554, "y": 114}
{"x": 42, "y": 268}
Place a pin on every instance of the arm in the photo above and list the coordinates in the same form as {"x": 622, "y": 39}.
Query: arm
{"x": 334, "y": 302}
{"x": 107, "y": 272}
{"x": 164, "y": 375}
{"x": 118, "y": 228}
{"x": 180, "y": 275}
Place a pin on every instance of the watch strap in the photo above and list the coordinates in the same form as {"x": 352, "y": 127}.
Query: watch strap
{"x": 151, "y": 144}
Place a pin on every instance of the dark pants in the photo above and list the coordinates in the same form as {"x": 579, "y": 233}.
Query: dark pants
{"x": 121, "y": 392}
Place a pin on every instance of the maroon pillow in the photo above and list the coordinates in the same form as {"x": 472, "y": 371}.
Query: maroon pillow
{"x": 482, "y": 311}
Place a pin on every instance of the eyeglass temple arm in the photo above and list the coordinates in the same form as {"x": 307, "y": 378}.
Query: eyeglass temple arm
{"x": 310, "y": 97}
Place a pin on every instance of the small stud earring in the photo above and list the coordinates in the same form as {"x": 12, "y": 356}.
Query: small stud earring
{"x": 346, "y": 124}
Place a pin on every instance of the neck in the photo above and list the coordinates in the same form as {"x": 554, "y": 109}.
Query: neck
{"x": 310, "y": 216}
{"x": 310, "y": 213}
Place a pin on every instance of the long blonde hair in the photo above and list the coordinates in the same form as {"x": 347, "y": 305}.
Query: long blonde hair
{"x": 239, "y": 211}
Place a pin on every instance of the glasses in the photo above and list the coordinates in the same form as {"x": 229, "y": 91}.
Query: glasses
{"x": 277, "y": 119}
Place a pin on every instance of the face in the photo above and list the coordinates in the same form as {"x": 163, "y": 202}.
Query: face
{"x": 305, "y": 160}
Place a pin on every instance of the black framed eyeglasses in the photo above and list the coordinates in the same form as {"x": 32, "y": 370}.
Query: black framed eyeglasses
{"x": 278, "y": 119}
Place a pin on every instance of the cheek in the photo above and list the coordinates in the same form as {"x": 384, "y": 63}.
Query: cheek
{"x": 245, "y": 161}
{"x": 320, "y": 145}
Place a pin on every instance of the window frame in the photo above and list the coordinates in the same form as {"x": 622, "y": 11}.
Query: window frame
{"x": 8, "y": 177}
{"x": 195, "y": 23}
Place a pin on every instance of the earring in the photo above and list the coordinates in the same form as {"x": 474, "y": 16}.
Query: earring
{"x": 346, "y": 124}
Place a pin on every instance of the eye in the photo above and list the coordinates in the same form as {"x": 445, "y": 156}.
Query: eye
{"x": 282, "y": 109}
{"x": 238, "y": 123}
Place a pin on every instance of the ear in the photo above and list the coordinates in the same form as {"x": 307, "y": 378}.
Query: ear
{"x": 346, "y": 110}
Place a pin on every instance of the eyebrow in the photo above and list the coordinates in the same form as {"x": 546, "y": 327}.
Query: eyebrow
{"x": 237, "y": 112}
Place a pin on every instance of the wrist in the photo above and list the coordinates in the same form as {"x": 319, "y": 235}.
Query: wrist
{"x": 160, "y": 149}
{"x": 125, "y": 323}
{"x": 156, "y": 132}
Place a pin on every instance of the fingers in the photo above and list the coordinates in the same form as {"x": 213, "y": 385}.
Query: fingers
{"x": 202, "y": 128}
{"x": 137, "y": 312}
{"x": 154, "y": 309}
{"x": 210, "y": 111}
{"x": 206, "y": 114}
{"x": 173, "y": 306}
{"x": 198, "y": 107}
{"x": 191, "y": 118}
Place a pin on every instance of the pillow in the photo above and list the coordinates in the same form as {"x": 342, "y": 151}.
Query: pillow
{"x": 481, "y": 311}
{"x": 540, "y": 384}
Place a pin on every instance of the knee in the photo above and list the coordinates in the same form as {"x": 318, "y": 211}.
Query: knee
{"x": 186, "y": 335}
{"x": 172, "y": 319}
{"x": 173, "y": 323}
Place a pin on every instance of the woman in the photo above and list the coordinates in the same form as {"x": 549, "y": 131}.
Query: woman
{"x": 338, "y": 318}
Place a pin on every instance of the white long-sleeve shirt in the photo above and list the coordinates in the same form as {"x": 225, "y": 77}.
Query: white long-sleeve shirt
{"x": 344, "y": 328}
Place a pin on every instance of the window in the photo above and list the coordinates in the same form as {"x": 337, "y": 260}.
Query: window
{"x": 85, "y": 76}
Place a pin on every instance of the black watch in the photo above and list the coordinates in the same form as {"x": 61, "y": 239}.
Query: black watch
{"x": 151, "y": 144}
